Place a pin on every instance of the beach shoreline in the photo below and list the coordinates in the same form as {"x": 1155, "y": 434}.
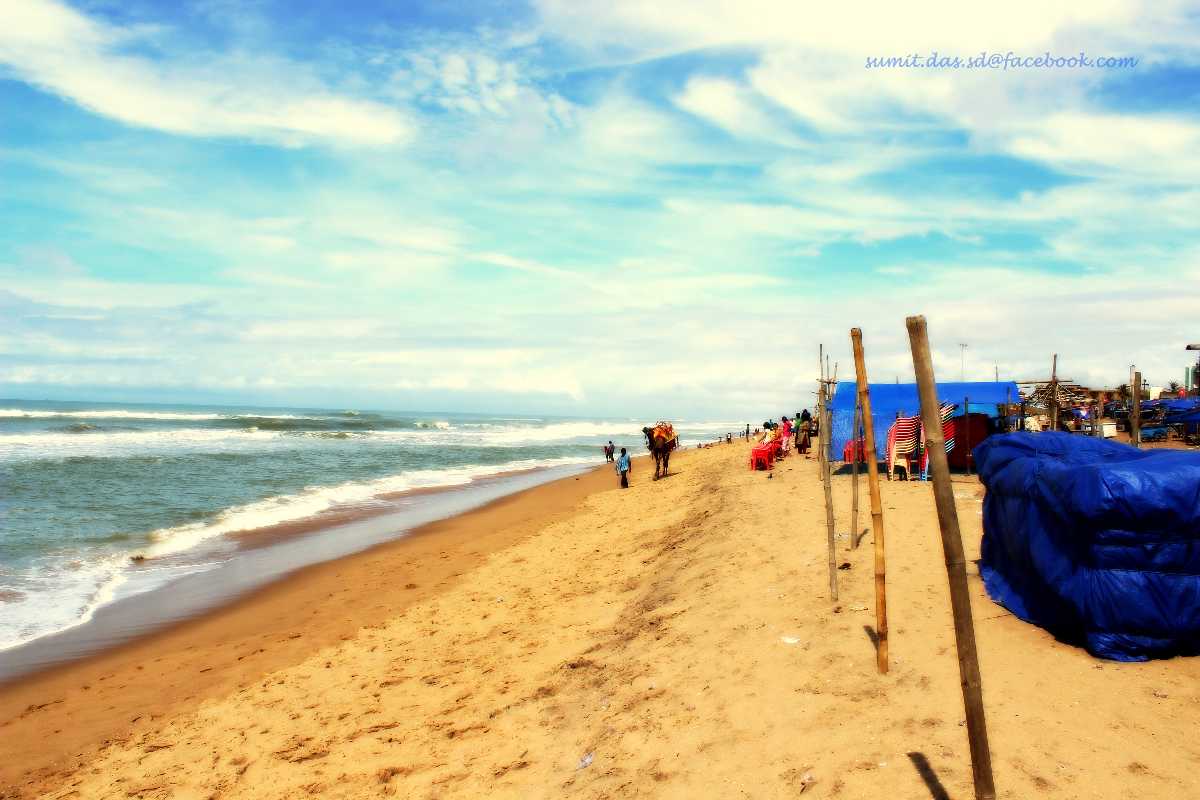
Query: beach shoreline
{"x": 241, "y": 636}
{"x": 248, "y": 559}
{"x": 676, "y": 639}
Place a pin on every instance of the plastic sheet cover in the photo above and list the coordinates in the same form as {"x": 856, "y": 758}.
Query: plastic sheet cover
{"x": 1095, "y": 541}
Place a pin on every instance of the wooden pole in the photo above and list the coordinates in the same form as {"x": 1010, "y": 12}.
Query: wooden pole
{"x": 952, "y": 547}
{"x": 864, "y": 400}
{"x": 819, "y": 440}
{"x": 1054, "y": 393}
{"x": 967, "y": 430}
{"x": 1135, "y": 412}
{"x": 825, "y": 477}
{"x": 854, "y": 476}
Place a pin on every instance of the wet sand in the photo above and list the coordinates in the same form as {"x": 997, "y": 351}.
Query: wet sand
{"x": 53, "y": 719}
{"x": 672, "y": 640}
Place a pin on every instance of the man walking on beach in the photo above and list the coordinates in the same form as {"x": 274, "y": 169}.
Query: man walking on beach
{"x": 608, "y": 451}
{"x": 623, "y": 468}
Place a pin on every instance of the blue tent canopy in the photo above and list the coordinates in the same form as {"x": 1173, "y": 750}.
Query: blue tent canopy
{"x": 890, "y": 399}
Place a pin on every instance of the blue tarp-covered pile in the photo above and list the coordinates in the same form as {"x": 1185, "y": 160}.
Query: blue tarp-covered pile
{"x": 890, "y": 399}
{"x": 1184, "y": 411}
{"x": 1096, "y": 541}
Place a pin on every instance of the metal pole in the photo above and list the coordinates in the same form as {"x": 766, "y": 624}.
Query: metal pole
{"x": 864, "y": 400}
{"x": 952, "y": 547}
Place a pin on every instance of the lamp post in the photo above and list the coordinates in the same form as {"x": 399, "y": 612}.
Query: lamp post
{"x": 962, "y": 361}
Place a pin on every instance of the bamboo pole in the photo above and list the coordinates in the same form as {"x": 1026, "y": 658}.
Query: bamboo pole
{"x": 854, "y": 476}
{"x": 820, "y": 443}
{"x": 967, "y": 431}
{"x": 864, "y": 401}
{"x": 960, "y": 600}
{"x": 1054, "y": 393}
{"x": 1135, "y": 412}
{"x": 825, "y": 477}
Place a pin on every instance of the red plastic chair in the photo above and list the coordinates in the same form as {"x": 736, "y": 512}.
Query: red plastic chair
{"x": 761, "y": 457}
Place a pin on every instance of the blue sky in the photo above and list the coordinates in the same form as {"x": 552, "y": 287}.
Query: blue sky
{"x": 578, "y": 207}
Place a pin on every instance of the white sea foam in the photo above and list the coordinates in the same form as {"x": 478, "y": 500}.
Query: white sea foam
{"x": 60, "y": 599}
{"x": 180, "y": 416}
{"x": 106, "y": 414}
{"x": 318, "y": 500}
{"x": 104, "y": 444}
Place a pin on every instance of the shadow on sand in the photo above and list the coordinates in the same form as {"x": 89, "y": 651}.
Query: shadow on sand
{"x": 929, "y": 777}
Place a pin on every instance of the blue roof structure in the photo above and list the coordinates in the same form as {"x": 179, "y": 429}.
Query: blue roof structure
{"x": 891, "y": 399}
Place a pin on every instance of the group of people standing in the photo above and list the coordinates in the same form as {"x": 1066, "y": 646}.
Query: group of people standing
{"x": 799, "y": 429}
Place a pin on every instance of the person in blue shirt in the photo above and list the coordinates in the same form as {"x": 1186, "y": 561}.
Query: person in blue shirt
{"x": 623, "y": 468}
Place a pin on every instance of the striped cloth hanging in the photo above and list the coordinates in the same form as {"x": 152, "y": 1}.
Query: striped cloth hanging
{"x": 901, "y": 439}
{"x": 945, "y": 412}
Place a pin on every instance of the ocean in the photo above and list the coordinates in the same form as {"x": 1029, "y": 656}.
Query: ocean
{"x": 102, "y": 502}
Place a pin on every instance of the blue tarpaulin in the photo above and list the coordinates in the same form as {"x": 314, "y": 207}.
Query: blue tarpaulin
{"x": 890, "y": 399}
{"x": 1171, "y": 404}
{"x": 1190, "y": 417}
{"x": 1095, "y": 541}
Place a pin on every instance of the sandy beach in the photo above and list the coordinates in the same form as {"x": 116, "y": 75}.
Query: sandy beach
{"x": 673, "y": 640}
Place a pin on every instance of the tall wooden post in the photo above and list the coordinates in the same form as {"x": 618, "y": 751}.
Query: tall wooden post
{"x": 854, "y": 475}
{"x": 825, "y": 477}
{"x": 952, "y": 547}
{"x": 967, "y": 430}
{"x": 819, "y": 443}
{"x": 1135, "y": 412}
{"x": 864, "y": 400}
{"x": 1054, "y": 393}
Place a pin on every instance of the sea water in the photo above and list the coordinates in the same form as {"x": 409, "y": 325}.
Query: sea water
{"x": 101, "y": 501}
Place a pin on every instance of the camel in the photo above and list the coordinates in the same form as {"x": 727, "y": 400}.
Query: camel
{"x": 661, "y": 440}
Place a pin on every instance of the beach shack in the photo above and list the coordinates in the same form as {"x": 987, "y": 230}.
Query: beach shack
{"x": 974, "y": 411}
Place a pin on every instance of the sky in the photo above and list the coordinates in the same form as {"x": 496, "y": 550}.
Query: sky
{"x": 578, "y": 207}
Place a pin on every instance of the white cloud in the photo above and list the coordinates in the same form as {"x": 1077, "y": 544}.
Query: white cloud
{"x": 1160, "y": 147}
{"x": 845, "y": 27}
{"x": 725, "y": 103}
{"x": 93, "y": 63}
